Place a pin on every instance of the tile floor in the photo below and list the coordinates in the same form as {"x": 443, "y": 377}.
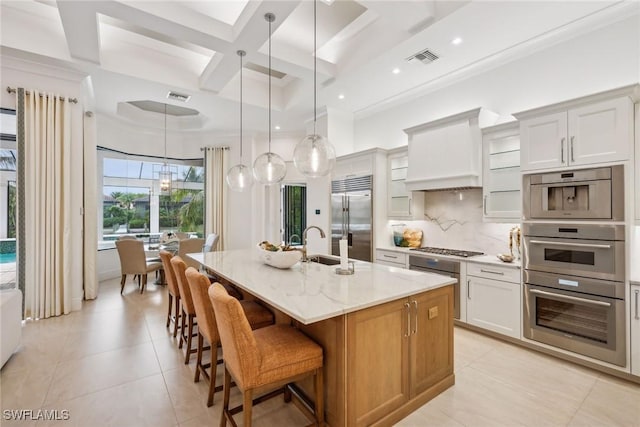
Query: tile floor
{"x": 114, "y": 364}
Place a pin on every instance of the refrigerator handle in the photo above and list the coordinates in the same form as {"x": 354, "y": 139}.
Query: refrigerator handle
{"x": 350, "y": 239}
{"x": 348, "y": 223}
{"x": 344, "y": 218}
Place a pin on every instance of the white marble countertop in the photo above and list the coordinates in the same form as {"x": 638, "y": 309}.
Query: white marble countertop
{"x": 310, "y": 292}
{"x": 481, "y": 259}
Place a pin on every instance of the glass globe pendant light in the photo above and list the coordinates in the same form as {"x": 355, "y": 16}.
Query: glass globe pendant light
{"x": 269, "y": 168}
{"x": 314, "y": 156}
{"x": 240, "y": 177}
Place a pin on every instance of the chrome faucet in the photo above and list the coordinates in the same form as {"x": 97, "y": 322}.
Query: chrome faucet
{"x": 304, "y": 240}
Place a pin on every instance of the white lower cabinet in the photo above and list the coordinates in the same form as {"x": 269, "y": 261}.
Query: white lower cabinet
{"x": 391, "y": 258}
{"x": 635, "y": 329}
{"x": 494, "y": 298}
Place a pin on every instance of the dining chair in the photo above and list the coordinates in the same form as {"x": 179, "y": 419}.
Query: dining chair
{"x": 174, "y": 292}
{"x": 256, "y": 315}
{"x": 181, "y": 235}
{"x": 188, "y": 246}
{"x": 188, "y": 316}
{"x": 133, "y": 261}
{"x": 211, "y": 242}
{"x": 263, "y": 360}
{"x": 127, "y": 237}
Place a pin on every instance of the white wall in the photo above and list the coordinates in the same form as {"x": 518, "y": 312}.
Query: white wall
{"x": 603, "y": 59}
{"x": 19, "y": 73}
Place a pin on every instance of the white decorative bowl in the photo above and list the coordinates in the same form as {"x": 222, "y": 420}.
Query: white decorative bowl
{"x": 279, "y": 259}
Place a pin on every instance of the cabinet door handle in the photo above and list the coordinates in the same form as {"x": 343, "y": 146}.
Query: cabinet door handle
{"x": 409, "y": 205}
{"x": 408, "y": 308}
{"x": 484, "y": 205}
{"x": 562, "y": 150}
{"x": 637, "y": 311}
{"x": 468, "y": 288}
{"x": 492, "y": 272}
{"x": 572, "y": 159}
{"x": 415, "y": 324}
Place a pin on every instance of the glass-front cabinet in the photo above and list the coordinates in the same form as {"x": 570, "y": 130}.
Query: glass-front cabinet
{"x": 501, "y": 172}
{"x": 402, "y": 204}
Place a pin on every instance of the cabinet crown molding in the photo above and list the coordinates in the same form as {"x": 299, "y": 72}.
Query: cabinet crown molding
{"x": 632, "y": 91}
{"x": 483, "y": 116}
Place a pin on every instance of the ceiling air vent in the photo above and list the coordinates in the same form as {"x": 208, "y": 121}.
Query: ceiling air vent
{"x": 424, "y": 56}
{"x": 178, "y": 96}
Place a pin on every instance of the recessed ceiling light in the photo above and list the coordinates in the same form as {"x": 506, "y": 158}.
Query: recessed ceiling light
{"x": 341, "y": 96}
{"x": 456, "y": 41}
{"x": 396, "y": 71}
{"x": 277, "y": 127}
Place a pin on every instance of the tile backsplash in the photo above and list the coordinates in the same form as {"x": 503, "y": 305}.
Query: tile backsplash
{"x": 453, "y": 219}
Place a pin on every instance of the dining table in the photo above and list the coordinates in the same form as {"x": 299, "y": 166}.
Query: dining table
{"x": 152, "y": 254}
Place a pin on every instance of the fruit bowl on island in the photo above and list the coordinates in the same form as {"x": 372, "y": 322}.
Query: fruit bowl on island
{"x": 278, "y": 256}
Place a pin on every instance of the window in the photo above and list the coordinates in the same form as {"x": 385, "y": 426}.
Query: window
{"x": 8, "y": 164}
{"x": 294, "y": 212}
{"x": 131, "y": 200}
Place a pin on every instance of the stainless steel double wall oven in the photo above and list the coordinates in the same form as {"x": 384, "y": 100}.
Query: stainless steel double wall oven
{"x": 574, "y": 265}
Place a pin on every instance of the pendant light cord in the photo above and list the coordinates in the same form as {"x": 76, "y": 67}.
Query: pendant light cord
{"x": 165, "y": 134}
{"x": 270, "y": 20}
{"x": 314, "y": 66}
{"x": 240, "y": 55}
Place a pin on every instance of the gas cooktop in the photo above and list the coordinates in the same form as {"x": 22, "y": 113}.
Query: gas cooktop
{"x": 445, "y": 251}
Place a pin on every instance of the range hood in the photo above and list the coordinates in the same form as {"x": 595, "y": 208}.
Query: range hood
{"x": 446, "y": 154}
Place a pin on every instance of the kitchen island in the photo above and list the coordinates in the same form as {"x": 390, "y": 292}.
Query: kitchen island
{"x": 387, "y": 333}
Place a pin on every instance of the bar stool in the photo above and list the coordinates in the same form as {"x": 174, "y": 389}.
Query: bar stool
{"x": 174, "y": 292}
{"x": 257, "y": 317}
{"x": 188, "y": 310}
{"x": 264, "y": 359}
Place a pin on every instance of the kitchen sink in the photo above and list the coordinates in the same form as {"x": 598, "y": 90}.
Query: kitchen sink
{"x": 326, "y": 260}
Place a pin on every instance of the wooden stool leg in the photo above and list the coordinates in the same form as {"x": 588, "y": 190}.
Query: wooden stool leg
{"x": 169, "y": 312}
{"x": 212, "y": 374}
{"x": 319, "y": 390}
{"x": 182, "y": 329}
{"x": 225, "y": 402}
{"x": 177, "y": 317}
{"x": 187, "y": 356}
{"x": 123, "y": 279}
{"x": 199, "y": 358}
{"x": 247, "y": 406}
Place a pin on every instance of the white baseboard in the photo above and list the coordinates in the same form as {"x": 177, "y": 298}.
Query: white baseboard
{"x": 108, "y": 274}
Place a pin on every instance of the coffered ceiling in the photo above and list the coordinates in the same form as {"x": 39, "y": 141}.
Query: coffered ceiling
{"x": 141, "y": 50}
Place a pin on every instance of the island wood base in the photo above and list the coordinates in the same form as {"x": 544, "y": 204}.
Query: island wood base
{"x": 384, "y": 362}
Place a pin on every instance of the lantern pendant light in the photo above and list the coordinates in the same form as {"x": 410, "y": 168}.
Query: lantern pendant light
{"x": 240, "y": 177}
{"x": 165, "y": 174}
{"x": 314, "y": 156}
{"x": 269, "y": 168}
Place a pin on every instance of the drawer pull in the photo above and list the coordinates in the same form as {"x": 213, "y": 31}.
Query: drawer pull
{"x": 390, "y": 256}
{"x": 492, "y": 272}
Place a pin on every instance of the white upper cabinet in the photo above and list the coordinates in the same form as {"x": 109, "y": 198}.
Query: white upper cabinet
{"x": 543, "y": 141}
{"x": 501, "y": 172}
{"x": 601, "y": 132}
{"x": 590, "y": 130}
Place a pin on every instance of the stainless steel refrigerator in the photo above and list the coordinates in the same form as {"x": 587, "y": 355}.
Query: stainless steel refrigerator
{"x": 351, "y": 216}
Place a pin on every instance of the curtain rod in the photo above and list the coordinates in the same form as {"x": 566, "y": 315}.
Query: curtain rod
{"x": 13, "y": 90}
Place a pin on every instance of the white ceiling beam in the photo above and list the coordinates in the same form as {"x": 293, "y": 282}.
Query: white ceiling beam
{"x": 80, "y": 24}
{"x": 253, "y": 35}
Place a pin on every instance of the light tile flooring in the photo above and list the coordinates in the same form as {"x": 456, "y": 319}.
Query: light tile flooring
{"x": 114, "y": 364}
